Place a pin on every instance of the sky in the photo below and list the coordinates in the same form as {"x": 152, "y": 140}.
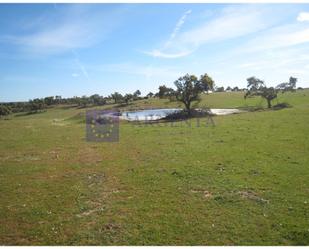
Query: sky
{"x": 84, "y": 49}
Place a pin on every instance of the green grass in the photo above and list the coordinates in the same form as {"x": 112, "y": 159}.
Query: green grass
{"x": 243, "y": 182}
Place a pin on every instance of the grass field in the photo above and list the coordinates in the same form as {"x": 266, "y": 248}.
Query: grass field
{"x": 244, "y": 181}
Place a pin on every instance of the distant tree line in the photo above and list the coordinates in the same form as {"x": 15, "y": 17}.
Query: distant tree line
{"x": 188, "y": 90}
{"x": 41, "y": 104}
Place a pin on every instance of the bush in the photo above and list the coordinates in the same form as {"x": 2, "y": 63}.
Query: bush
{"x": 4, "y": 110}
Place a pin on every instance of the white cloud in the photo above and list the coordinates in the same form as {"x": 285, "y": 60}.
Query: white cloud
{"x": 79, "y": 64}
{"x": 275, "y": 38}
{"x": 171, "y": 55}
{"x": 64, "y": 29}
{"x": 58, "y": 39}
{"x": 158, "y": 53}
{"x": 303, "y": 16}
{"x": 75, "y": 75}
{"x": 231, "y": 23}
{"x": 177, "y": 28}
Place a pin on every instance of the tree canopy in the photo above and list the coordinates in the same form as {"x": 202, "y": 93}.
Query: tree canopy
{"x": 206, "y": 82}
{"x": 257, "y": 87}
{"x": 4, "y": 110}
{"x": 188, "y": 90}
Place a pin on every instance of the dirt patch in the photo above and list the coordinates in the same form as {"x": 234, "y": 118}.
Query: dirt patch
{"x": 22, "y": 158}
{"x": 90, "y": 211}
{"x": 95, "y": 179}
{"x": 89, "y": 156}
{"x": 54, "y": 154}
{"x": 252, "y": 196}
{"x": 59, "y": 122}
{"x": 207, "y": 194}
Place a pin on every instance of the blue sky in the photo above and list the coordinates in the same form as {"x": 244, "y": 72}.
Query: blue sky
{"x": 82, "y": 49}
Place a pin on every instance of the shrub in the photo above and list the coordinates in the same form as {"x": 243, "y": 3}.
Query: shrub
{"x": 4, "y": 110}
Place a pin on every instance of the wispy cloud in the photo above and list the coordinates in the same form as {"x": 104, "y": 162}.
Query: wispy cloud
{"x": 278, "y": 37}
{"x": 161, "y": 54}
{"x": 75, "y": 75}
{"x": 177, "y": 28}
{"x": 231, "y": 23}
{"x": 168, "y": 43}
{"x": 64, "y": 29}
{"x": 56, "y": 40}
{"x": 80, "y": 64}
{"x": 303, "y": 17}
{"x": 281, "y": 59}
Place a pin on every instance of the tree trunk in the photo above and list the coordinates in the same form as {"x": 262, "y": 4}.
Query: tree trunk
{"x": 269, "y": 103}
{"x": 188, "y": 107}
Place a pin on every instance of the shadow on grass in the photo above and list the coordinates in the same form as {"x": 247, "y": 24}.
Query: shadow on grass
{"x": 66, "y": 107}
{"x": 281, "y": 106}
{"x": 29, "y": 113}
{"x": 123, "y": 105}
{"x": 276, "y": 107}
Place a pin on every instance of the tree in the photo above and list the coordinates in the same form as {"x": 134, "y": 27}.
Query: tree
{"x": 4, "y": 110}
{"x": 36, "y": 105}
{"x": 188, "y": 90}
{"x": 150, "y": 95}
{"x": 165, "y": 92}
{"x": 127, "y": 98}
{"x": 96, "y": 99}
{"x": 285, "y": 87}
{"x": 235, "y": 89}
{"x": 162, "y": 91}
{"x": 83, "y": 101}
{"x": 117, "y": 97}
{"x": 49, "y": 100}
{"x": 136, "y": 94}
{"x": 206, "y": 82}
{"x": 256, "y": 87}
{"x": 220, "y": 89}
{"x": 58, "y": 99}
{"x": 228, "y": 89}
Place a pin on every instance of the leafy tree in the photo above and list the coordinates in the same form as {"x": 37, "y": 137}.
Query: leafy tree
{"x": 49, "y": 100}
{"x": 188, "y": 90}
{"x": 220, "y": 89}
{"x": 206, "y": 82}
{"x": 58, "y": 99}
{"x": 162, "y": 91}
{"x": 285, "y": 87}
{"x": 256, "y": 87}
{"x": 165, "y": 92}
{"x": 96, "y": 99}
{"x": 150, "y": 95}
{"x": 36, "y": 105}
{"x": 4, "y": 110}
{"x": 128, "y": 97}
{"x": 117, "y": 97}
{"x": 137, "y": 93}
{"x": 228, "y": 88}
{"x": 83, "y": 101}
{"x": 235, "y": 89}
